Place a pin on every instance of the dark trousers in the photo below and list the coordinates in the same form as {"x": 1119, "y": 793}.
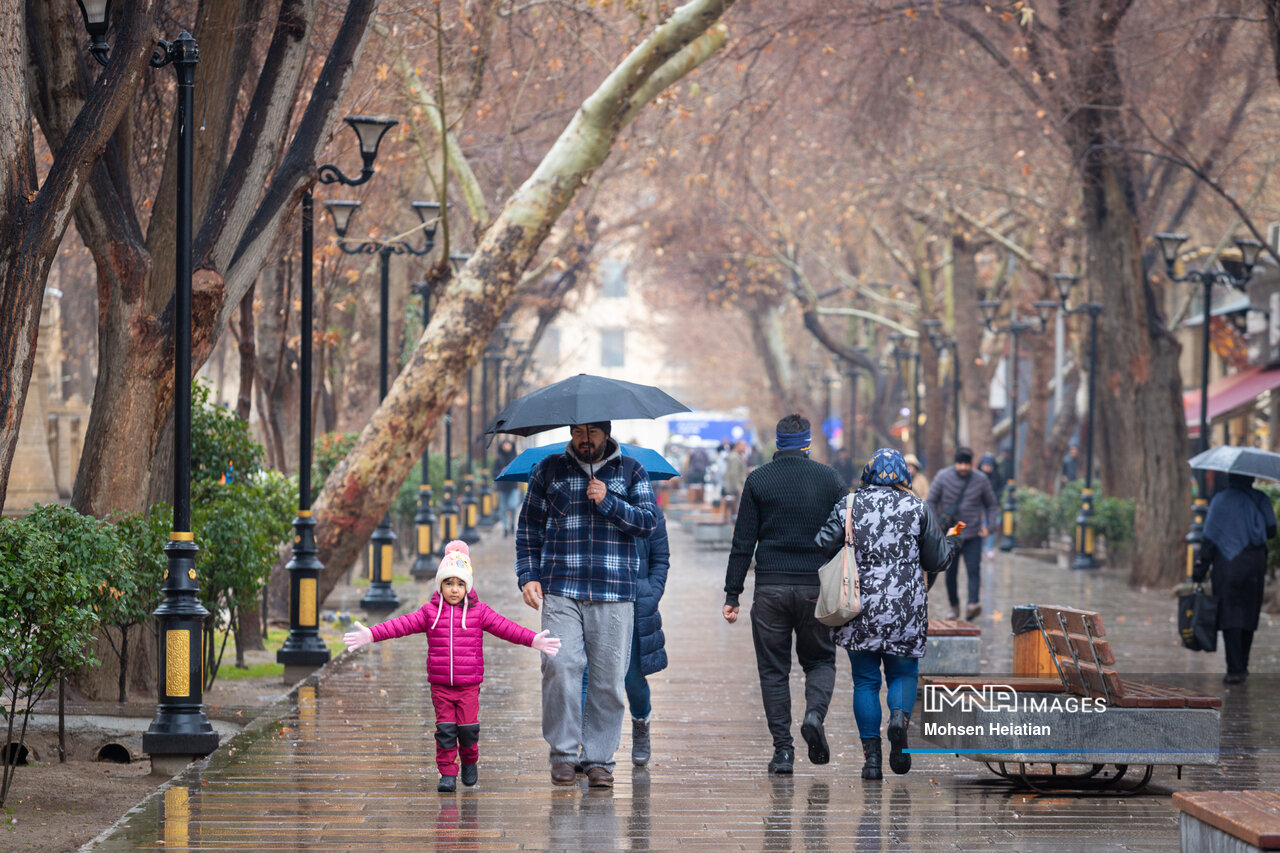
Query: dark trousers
{"x": 777, "y": 612}
{"x": 1236, "y": 642}
{"x": 971, "y": 551}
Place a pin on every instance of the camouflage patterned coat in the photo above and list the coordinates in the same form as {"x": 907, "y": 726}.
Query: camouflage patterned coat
{"x": 896, "y": 540}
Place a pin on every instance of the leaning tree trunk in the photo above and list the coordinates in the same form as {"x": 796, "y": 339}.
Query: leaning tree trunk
{"x": 363, "y": 486}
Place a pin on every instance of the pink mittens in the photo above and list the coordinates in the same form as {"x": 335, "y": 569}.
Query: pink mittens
{"x": 544, "y": 643}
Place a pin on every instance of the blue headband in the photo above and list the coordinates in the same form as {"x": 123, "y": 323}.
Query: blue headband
{"x": 794, "y": 440}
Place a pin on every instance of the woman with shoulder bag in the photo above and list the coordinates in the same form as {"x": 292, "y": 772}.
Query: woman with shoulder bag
{"x": 899, "y": 549}
{"x": 1237, "y": 528}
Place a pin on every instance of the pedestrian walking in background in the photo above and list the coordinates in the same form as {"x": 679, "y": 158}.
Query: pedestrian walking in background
{"x": 1233, "y": 554}
{"x": 508, "y": 491}
{"x": 784, "y": 502}
{"x": 1070, "y": 465}
{"x": 899, "y": 549}
{"x": 577, "y": 558}
{"x": 919, "y": 482}
{"x": 959, "y": 493}
{"x": 454, "y": 621}
{"x": 735, "y": 477}
{"x": 987, "y": 465}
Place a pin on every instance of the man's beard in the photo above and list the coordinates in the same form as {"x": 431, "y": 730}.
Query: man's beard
{"x": 594, "y": 454}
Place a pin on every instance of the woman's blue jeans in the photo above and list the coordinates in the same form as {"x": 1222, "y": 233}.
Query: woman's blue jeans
{"x": 636, "y": 685}
{"x": 900, "y": 672}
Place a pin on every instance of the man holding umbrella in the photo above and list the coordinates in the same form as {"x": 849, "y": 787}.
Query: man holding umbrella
{"x": 576, "y": 557}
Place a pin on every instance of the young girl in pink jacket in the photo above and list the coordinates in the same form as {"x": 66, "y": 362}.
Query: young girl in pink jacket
{"x": 454, "y": 621}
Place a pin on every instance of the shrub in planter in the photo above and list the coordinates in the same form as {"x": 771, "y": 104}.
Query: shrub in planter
{"x": 1034, "y": 518}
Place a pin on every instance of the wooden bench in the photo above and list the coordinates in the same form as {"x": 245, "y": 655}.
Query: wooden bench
{"x": 1229, "y": 821}
{"x": 1066, "y": 704}
{"x": 954, "y": 648}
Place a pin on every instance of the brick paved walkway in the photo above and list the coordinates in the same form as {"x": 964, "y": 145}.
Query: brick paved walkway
{"x": 348, "y": 760}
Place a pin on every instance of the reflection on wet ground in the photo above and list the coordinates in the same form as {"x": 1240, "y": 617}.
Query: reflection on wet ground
{"x": 348, "y": 761}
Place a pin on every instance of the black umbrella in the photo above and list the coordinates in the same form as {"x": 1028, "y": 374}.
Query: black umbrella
{"x": 583, "y": 399}
{"x": 1250, "y": 461}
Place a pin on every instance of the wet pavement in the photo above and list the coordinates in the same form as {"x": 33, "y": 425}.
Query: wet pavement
{"x": 347, "y": 760}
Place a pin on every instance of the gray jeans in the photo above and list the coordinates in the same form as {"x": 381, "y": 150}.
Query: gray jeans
{"x": 595, "y": 635}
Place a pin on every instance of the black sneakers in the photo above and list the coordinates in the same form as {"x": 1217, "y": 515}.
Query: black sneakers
{"x": 784, "y": 759}
{"x": 448, "y": 784}
{"x": 470, "y": 774}
{"x": 816, "y": 738}
{"x": 899, "y": 761}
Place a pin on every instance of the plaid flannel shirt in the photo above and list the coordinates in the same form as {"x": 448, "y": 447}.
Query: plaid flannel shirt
{"x": 577, "y": 549}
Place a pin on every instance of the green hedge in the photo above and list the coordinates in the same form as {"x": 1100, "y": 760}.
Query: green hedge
{"x": 1042, "y": 518}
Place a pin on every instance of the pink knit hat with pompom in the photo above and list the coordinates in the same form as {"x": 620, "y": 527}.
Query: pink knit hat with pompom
{"x": 456, "y": 563}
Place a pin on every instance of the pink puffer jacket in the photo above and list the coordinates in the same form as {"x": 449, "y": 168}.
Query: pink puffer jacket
{"x": 455, "y": 636}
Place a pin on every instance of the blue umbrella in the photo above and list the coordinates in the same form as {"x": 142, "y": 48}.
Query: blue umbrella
{"x": 653, "y": 462}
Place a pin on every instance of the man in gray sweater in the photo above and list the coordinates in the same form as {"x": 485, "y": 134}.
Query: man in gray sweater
{"x": 960, "y": 493}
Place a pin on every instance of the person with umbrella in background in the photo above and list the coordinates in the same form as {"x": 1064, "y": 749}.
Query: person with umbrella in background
{"x": 577, "y": 559}
{"x": 1234, "y": 552}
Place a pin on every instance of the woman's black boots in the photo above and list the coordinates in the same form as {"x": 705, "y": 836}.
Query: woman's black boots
{"x": 899, "y": 722}
{"x": 871, "y": 756}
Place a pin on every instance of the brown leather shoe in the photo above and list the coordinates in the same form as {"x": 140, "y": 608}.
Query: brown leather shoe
{"x": 562, "y": 773}
{"x": 598, "y": 777}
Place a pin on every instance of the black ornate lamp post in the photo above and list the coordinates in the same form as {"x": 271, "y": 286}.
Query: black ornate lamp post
{"x": 1015, "y": 328}
{"x": 180, "y": 730}
{"x": 902, "y": 353}
{"x": 488, "y": 385}
{"x": 1084, "y": 521}
{"x": 450, "y": 512}
{"x": 940, "y": 342}
{"x": 1230, "y": 274}
{"x": 424, "y": 565}
{"x": 851, "y": 371}
{"x": 303, "y": 650}
{"x": 470, "y": 505}
{"x": 381, "y": 596}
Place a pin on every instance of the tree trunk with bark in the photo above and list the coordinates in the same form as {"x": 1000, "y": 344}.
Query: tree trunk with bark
{"x": 241, "y": 202}
{"x": 33, "y": 218}
{"x": 1139, "y": 385}
{"x": 363, "y": 486}
{"x": 968, "y": 335}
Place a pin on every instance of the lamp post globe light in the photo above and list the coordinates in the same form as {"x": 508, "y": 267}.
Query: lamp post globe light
{"x": 1015, "y": 328}
{"x": 1235, "y": 275}
{"x": 382, "y": 596}
{"x": 303, "y": 650}
{"x": 1085, "y": 533}
{"x": 940, "y": 342}
{"x": 180, "y": 729}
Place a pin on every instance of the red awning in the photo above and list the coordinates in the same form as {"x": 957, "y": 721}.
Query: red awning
{"x": 1230, "y": 394}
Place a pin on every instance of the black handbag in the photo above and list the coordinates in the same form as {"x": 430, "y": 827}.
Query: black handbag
{"x": 1198, "y": 620}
